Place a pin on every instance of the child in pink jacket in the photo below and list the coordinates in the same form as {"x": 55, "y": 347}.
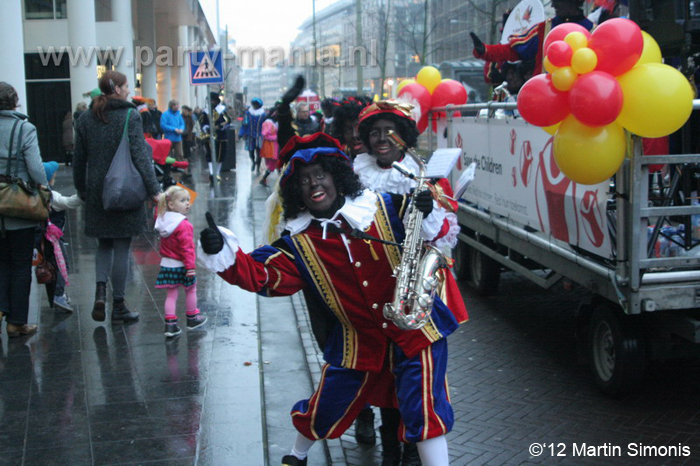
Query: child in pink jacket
{"x": 177, "y": 266}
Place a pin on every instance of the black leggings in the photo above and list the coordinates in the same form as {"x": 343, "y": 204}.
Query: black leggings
{"x": 16, "y": 249}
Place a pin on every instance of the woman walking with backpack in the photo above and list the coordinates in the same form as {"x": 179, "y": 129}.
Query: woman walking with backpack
{"x": 98, "y": 134}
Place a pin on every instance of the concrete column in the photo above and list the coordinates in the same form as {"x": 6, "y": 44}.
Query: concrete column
{"x": 121, "y": 14}
{"x": 192, "y": 41}
{"x": 184, "y": 85}
{"x": 12, "y": 57}
{"x": 147, "y": 41}
{"x": 162, "y": 25}
{"x": 174, "y": 68}
{"x": 81, "y": 33}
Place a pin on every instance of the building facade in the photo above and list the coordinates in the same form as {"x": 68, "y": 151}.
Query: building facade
{"x": 64, "y": 46}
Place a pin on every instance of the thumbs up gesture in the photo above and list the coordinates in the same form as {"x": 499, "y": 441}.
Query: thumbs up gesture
{"x": 211, "y": 238}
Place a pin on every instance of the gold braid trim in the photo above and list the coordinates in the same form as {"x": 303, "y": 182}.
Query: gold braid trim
{"x": 324, "y": 285}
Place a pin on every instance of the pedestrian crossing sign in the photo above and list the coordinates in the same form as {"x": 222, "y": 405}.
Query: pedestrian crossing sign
{"x": 206, "y": 67}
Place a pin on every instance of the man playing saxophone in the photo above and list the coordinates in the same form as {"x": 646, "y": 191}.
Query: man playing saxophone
{"x": 343, "y": 247}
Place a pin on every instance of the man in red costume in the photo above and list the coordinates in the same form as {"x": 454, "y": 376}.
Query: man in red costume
{"x": 528, "y": 46}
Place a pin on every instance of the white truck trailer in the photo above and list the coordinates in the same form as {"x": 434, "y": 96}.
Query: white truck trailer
{"x": 620, "y": 239}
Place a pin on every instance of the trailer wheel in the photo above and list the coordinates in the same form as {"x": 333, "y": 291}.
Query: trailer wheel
{"x": 617, "y": 352}
{"x": 459, "y": 255}
{"x": 484, "y": 273}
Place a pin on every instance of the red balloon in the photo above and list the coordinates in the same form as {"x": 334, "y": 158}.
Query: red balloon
{"x": 417, "y": 95}
{"x": 618, "y": 43}
{"x": 561, "y": 31}
{"x": 449, "y": 92}
{"x": 441, "y": 116}
{"x": 559, "y": 53}
{"x": 540, "y": 103}
{"x": 596, "y": 99}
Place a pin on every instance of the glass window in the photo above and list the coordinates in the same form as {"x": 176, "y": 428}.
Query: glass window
{"x": 61, "y": 9}
{"x": 47, "y": 67}
{"x": 103, "y": 10}
{"x": 38, "y": 9}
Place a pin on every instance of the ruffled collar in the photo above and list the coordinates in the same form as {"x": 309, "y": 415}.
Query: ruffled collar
{"x": 358, "y": 212}
{"x": 384, "y": 180}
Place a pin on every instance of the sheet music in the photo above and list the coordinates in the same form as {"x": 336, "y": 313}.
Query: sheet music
{"x": 442, "y": 162}
{"x": 464, "y": 180}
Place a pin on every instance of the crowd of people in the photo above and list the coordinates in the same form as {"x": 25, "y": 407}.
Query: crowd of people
{"x": 335, "y": 177}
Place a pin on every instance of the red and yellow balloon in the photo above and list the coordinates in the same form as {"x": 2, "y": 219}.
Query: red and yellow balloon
{"x": 598, "y": 85}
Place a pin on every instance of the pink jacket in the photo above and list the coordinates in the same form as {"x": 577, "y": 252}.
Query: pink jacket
{"x": 176, "y": 238}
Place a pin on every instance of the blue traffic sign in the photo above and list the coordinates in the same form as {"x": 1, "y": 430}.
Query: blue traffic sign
{"x": 206, "y": 67}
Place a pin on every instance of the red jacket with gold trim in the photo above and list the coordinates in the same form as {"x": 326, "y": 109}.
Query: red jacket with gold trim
{"x": 352, "y": 277}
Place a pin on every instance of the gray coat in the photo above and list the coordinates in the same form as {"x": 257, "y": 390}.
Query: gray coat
{"x": 30, "y": 167}
{"x": 95, "y": 145}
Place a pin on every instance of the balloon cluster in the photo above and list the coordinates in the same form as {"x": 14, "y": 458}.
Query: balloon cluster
{"x": 429, "y": 90}
{"x": 598, "y": 85}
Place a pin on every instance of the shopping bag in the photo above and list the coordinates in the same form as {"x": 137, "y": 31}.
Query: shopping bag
{"x": 123, "y": 186}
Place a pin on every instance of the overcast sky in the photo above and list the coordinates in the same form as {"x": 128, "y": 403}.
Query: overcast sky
{"x": 265, "y": 23}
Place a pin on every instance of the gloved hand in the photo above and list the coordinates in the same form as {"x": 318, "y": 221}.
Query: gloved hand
{"x": 424, "y": 202}
{"x": 478, "y": 44}
{"x": 294, "y": 91}
{"x": 211, "y": 238}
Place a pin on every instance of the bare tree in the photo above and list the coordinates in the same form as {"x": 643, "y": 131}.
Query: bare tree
{"x": 417, "y": 30}
{"x": 377, "y": 15}
{"x": 491, "y": 12}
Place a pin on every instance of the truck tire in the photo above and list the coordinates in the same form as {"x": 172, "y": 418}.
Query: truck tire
{"x": 461, "y": 261}
{"x": 616, "y": 352}
{"x": 483, "y": 274}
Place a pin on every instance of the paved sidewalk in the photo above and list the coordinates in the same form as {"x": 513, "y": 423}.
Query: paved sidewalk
{"x": 82, "y": 392}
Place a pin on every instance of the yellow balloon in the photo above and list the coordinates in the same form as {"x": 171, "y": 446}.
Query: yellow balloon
{"x": 651, "y": 53}
{"x": 551, "y": 129}
{"x": 548, "y": 66}
{"x": 584, "y": 60}
{"x": 403, "y": 84}
{"x": 586, "y": 154}
{"x": 564, "y": 78}
{"x": 429, "y": 77}
{"x": 576, "y": 40}
{"x": 658, "y": 100}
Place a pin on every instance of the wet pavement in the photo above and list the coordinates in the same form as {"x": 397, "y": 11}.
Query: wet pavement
{"x": 83, "y": 392}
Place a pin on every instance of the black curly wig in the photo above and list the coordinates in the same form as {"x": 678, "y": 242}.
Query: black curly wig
{"x": 406, "y": 128}
{"x": 347, "y": 183}
{"x": 348, "y": 111}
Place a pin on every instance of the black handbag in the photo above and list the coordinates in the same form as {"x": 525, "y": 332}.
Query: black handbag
{"x": 19, "y": 198}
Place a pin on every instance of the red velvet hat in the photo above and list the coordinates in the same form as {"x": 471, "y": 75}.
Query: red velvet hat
{"x": 392, "y": 107}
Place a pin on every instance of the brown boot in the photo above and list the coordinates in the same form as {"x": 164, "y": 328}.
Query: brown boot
{"x": 17, "y": 330}
{"x": 98, "y": 309}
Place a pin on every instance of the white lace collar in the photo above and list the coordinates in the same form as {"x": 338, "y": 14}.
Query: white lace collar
{"x": 358, "y": 212}
{"x": 384, "y": 180}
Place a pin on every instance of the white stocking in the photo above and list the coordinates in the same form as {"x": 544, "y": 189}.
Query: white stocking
{"x": 302, "y": 446}
{"x": 433, "y": 452}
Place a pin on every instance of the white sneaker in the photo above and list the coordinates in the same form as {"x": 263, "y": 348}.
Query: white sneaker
{"x": 61, "y": 302}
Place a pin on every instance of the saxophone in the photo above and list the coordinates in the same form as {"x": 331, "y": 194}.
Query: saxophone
{"x": 416, "y": 275}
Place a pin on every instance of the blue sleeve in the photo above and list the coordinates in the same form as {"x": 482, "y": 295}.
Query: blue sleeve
{"x": 165, "y": 124}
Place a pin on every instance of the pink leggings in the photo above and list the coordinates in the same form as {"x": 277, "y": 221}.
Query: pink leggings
{"x": 190, "y": 300}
